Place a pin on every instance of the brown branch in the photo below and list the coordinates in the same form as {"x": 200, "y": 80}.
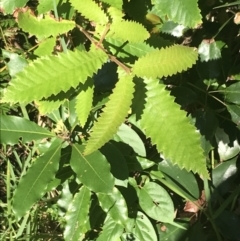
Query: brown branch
{"x": 99, "y": 45}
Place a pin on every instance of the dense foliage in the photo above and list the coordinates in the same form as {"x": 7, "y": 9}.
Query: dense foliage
{"x": 120, "y": 120}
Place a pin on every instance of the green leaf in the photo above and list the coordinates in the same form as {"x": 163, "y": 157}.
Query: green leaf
{"x": 76, "y": 215}
{"x": 115, "y": 205}
{"x": 156, "y": 202}
{"x": 84, "y": 101}
{"x": 32, "y": 186}
{"x": 111, "y": 231}
{"x": 129, "y": 31}
{"x": 122, "y": 49}
{"x": 45, "y": 47}
{"x": 165, "y": 62}
{"x": 113, "y": 114}
{"x": 46, "y": 5}
{"x": 44, "y": 27}
{"x": 16, "y": 62}
{"x": 185, "y": 12}
{"x": 234, "y": 110}
{"x": 114, "y": 3}
{"x": 90, "y": 10}
{"x": 92, "y": 170}
{"x": 208, "y": 50}
{"x": 127, "y": 135}
{"x": 60, "y": 72}
{"x": 232, "y": 93}
{"x": 172, "y": 132}
{"x": 142, "y": 229}
{"x": 172, "y": 28}
{"x": 118, "y": 163}
{"x": 8, "y": 6}
{"x": 184, "y": 181}
{"x": 13, "y": 127}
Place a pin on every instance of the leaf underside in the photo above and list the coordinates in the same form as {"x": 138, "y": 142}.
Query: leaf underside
{"x": 170, "y": 130}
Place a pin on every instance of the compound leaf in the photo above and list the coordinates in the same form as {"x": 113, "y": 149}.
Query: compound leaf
{"x": 113, "y": 114}
{"x": 76, "y": 215}
{"x": 92, "y": 170}
{"x": 14, "y": 127}
{"x": 43, "y": 27}
{"x": 170, "y": 130}
{"x": 165, "y": 62}
{"x": 32, "y": 186}
{"x": 58, "y": 72}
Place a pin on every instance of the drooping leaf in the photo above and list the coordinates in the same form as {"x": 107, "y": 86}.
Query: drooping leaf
{"x": 113, "y": 114}
{"x": 129, "y": 31}
{"x": 127, "y": 135}
{"x": 43, "y": 27}
{"x": 208, "y": 50}
{"x": 170, "y": 130}
{"x": 84, "y": 101}
{"x": 156, "y": 202}
{"x": 60, "y": 72}
{"x": 76, "y": 215}
{"x": 14, "y": 127}
{"x": 185, "y": 12}
{"x": 232, "y": 93}
{"x": 115, "y": 205}
{"x": 110, "y": 230}
{"x": 92, "y": 170}
{"x": 165, "y": 62}
{"x": 114, "y": 3}
{"x": 16, "y": 62}
{"x": 90, "y": 10}
{"x": 32, "y": 186}
{"x": 8, "y": 6}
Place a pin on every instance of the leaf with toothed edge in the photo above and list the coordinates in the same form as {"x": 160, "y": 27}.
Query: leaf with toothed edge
{"x": 54, "y": 74}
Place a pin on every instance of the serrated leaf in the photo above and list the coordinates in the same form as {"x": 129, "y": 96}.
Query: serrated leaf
{"x": 90, "y": 10}
{"x": 76, "y": 215}
{"x": 113, "y": 114}
{"x": 185, "y": 12}
{"x": 156, "y": 202}
{"x": 115, "y": 205}
{"x": 92, "y": 170}
{"x": 165, "y": 62}
{"x": 84, "y": 101}
{"x": 111, "y": 230}
{"x": 170, "y": 130}
{"x": 60, "y": 72}
{"x": 208, "y": 50}
{"x": 122, "y": 49}
{"x": 129, "y": 31}
{"x": 172, "y": 28}
{"x": 14, "y": 127}
{"x": 43, "y": 27}
{"x": 45, "y": 47}
{"x": 32, "y": 186}
{"x": 114, "y": 3}
{"x": 232, "y": 93}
